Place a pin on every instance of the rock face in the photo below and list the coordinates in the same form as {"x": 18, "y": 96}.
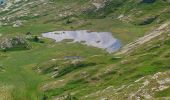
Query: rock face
{"x": 102, "y": 40}
{"x": 99, "y": 3}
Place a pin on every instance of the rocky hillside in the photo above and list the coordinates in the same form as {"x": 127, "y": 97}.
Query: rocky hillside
{"x": 138, "y": 12}
{"x": 33, "y": 67}
{"x": 52, "y": 15}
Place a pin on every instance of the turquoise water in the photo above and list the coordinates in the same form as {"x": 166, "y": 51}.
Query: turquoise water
{"x": 2, "y": 2}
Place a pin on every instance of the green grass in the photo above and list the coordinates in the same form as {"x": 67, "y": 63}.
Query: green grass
{"x": 164, "y": 93}
{"x": 99, "y": 69}
{"x": 123, "y": 73}
{"x": 19, "y": 64}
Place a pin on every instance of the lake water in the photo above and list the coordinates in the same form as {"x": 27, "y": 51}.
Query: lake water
{"x": 2, "y": 2}
{"x": 103, "y": 40}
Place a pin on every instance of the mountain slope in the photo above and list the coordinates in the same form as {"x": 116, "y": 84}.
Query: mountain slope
{"x": 134, "y": 16}
{"x": 45, "y": 70}
{"x": 120, "y": 76}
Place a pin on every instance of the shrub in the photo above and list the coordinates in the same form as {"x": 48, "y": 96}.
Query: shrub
{"x": 71, "y": 67}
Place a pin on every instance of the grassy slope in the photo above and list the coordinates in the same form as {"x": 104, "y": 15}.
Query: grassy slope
{"x": 19, "y": 78}
{"x": 142, "y": 62}
{"x": 19, "y": 64}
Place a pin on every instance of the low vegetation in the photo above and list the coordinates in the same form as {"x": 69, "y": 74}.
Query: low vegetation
{"x": 36, "y": 68}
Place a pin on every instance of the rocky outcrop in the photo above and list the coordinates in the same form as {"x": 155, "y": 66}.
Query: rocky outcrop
{"x": 7, "y": 43}
{"x": 99, "y": 3}
{"x": 155, "y": 33}
{"x": 144, "y": 88}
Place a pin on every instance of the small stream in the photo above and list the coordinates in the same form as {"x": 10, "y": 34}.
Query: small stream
{"x": 103, "y": 40}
